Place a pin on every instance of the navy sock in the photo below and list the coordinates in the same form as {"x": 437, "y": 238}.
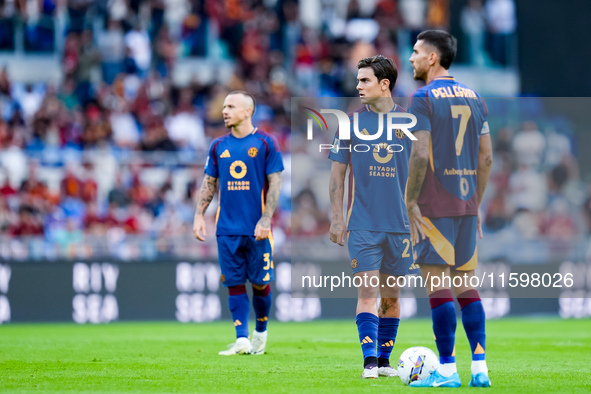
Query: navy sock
{"x": 261, "y": 301}
{"x": 367, "y": 326}
{"x": 387, "y": 330}
{"x": 443, "y": 313}
{"x": 240, "y": 309}
{"x": 474, "y": 322}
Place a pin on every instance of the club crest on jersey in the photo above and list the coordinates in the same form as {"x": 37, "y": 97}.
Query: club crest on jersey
{"x": 252, "y": 152}
{"x": 354, "y": 263}
{"x": 399, "y": 134}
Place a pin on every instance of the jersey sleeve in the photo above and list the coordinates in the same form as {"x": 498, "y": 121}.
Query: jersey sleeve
{"x": 484, "y": 114}
{"x": 485, "y": 129}
{"x": 274, "y": 161}
{"x": 340, "y": 150}
{"x": 211, "y": 164}
{"x": 419, "y": 107}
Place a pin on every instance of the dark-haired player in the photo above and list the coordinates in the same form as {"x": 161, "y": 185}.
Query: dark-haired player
{"x": 377, "y": 229}
{"x": 245, "y": 166}
{"x": 448, "y": 172}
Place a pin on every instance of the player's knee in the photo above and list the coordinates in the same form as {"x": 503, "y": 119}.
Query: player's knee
{"x": 367, "y": 293}
{"x": 464, "y": 279}
{"x": 390, "y": 289}
{"x": 367, "y": 303}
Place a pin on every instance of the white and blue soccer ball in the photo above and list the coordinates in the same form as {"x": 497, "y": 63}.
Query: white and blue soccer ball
{"x": 416, "y": 363}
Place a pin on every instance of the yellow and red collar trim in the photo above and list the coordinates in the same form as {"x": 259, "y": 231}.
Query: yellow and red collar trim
{"x": 447, "y": 78}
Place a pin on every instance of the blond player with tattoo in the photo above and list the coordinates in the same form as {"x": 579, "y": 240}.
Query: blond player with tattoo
{"x": 244, "y": 166}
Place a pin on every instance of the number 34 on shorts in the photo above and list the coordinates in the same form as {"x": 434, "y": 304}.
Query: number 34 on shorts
{"x": 242, "y": 257}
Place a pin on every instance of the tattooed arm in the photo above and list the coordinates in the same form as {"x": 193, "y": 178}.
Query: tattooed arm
{"x": 338, "y": 229}
{"x": 417, "y": 168}
{"x": 263, "y": 227}
{"x": 208, "y": 188}
{"x": 485, "y": 153}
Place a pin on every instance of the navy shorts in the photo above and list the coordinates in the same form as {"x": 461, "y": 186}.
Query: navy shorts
{"x": 390, "y": 253}
{"x": 241, "y": 257}
{"x": 451, "y": 241}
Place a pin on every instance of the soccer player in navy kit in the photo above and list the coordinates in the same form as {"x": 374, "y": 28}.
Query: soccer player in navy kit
{"x": 245, "y": 167}
{"x": 448, "y": 172}
{"x": 377, "y": 228}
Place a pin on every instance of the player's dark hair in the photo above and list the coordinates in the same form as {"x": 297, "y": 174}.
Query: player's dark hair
{"x": 445, "y": 43}
{"x": 242, "y": 92}
{"x": 383, "y": 67}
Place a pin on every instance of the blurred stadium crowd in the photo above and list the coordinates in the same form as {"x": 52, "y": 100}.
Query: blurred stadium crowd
{"x": 107, "y": 162}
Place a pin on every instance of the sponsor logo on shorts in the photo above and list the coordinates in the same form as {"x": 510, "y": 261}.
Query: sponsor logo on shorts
{"x": 354, "y": 263}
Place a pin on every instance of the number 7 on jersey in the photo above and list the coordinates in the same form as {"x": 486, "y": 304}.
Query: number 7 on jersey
{"x": 463, "y": 112}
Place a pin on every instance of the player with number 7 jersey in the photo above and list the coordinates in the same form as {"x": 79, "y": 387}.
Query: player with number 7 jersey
{"x": 455, "y": 116}
{"x": 449, "y": 167}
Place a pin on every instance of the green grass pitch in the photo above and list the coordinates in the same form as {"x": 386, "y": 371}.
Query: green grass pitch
{"x": 524, "y": 355}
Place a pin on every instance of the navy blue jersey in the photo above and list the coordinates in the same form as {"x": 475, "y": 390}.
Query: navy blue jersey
{"x": 456, "y": 118}
{"x": 378, "y": 171}
{"x": 242, "y": 166}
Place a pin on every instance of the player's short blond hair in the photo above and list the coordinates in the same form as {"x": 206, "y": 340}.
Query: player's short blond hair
{"x": 247, "y": 95}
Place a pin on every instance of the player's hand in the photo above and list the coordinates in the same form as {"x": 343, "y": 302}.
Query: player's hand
{"x": 337, "y": 232}
{"x": 479, "y": 225}
{"x": 262, "y": 229}
{"x": 199, "y": 227}
{"x": 416, "y": 221}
